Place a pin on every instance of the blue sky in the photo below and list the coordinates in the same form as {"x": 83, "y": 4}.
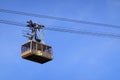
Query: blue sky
{"x": 76, "y": 57}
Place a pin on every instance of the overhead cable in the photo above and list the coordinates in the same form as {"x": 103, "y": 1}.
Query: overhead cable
{"x": 13, "y": 23}
{"x": 61, "y": 19}
{"x": 75, "y": 31}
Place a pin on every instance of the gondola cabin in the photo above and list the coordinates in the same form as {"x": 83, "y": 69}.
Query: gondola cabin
{"x": 37, "y": 52}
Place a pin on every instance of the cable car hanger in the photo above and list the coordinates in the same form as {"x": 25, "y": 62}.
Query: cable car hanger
{"x": 34, "y": 28}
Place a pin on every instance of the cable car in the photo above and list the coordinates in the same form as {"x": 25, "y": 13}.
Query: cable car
{"x": 35, "y": 49}
{"x": 37, "y": 52}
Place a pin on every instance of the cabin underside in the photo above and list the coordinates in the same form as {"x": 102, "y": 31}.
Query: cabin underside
{"x": 35, "y": 57}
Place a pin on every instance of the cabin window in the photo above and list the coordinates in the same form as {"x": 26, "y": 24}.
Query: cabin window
{"x": 25, "y": 48}
{"x": 48, "y": 50}
{"x": 36, "y": 46}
